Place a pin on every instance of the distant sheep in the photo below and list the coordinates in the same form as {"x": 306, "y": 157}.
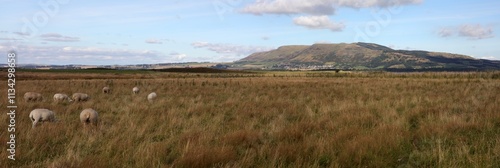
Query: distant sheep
{"x": 135, "y": 90}
{"x": 32, "y": 97}
{"x": 59, "y": 97}
{"x": 106, "y": 90}
{"x": 41, "y": 115}
{"x": 152, "y": 97}
{"x": 89, "y": 116}
{"x": 78, "y": 97}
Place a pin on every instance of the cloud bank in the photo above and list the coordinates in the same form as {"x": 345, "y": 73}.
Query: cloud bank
{"x": 317, "y": 7}
{"x": 58, "y": 38}
{"x": 475, "y": 32}
{"x": 318, "y": 22}
{"x": 228, "y": 52}
{"x": 177, "y": 56}
{"x": 85, "y": 55}
{"x": 153, "y": 41}
{"x": 313, "y": 7}
{"x": 470, "y": 31}
{"x": 315, "y": 12}
{"x": 232, "y": 49}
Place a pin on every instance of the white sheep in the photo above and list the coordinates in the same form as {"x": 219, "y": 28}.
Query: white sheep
{"x": 135, "y": 90}
{"x": 41, "y": 115}
{"x": 77, "y": 97}
{"x": 89, "y": 116}
{"x": 58, "y": 97}
{"x": 152, "y": 97}
{"x": 32, "y": 96}
{"x": 106, "y": 90}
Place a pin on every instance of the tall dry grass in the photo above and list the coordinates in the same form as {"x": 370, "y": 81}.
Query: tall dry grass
{"x": 265, "y": 120}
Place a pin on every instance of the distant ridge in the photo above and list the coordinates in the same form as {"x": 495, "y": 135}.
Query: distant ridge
{"x": 363, "y": 56}
{"x": 198, "y": 70}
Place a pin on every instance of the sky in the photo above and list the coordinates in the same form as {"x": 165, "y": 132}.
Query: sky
{"x": 127, "y": 32}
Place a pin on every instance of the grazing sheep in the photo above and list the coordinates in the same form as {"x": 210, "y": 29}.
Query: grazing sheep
{"x": 152, "y": 97}
{"x": 89, "y": 116}
{"x": 106, "y": 90}
{"x": 135, "y": 90}
{"x": 32, "y": 96}
{"x": 58, "y": 97}
{"x": 41, "y": 115}
{"x": 78, "y": 97}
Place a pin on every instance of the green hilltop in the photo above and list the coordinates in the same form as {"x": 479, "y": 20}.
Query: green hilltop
{"x": 361, "y": 56}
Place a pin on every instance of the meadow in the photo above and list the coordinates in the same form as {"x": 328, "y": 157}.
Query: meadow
{"x": 261, "y": 119}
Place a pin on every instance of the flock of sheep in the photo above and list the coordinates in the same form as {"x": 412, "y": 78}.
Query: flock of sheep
{"x": 87, "y": 116}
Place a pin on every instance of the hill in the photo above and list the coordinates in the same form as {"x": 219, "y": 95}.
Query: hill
{"x": 362, "y": 56}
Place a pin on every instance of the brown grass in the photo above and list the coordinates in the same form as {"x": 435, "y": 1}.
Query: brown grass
{"x": 264, "y": 120}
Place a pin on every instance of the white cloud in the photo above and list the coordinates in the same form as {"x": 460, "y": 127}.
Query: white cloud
{"x": 21, "y": 33}
{"x": 489, "y": 58}
{"x": 58, "y": 38}
{"x": 318, "y": 22}
{"x": 446, "y": 32}
{"x": 323, "y": 42}
{"x": 475, "y": 32}
{"x": 9, "y": 39}
{"x": 230, "y": 49}
{"x": 200, "y": 44}
{"x": 471, "y": 31}
{"x": 317, "y": 7}
{"x": 177, "y": 56}
{"x": 153, "y": 41}
{"x": 375, "y": 3}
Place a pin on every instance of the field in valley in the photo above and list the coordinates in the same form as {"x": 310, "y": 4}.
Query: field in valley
{"x": 262, "y": 119}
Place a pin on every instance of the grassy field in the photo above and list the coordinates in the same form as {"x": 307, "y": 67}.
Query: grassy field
{"x": 265, "y": 119}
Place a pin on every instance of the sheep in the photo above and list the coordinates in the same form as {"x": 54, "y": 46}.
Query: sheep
{"x": 41, "y": 115}
{"x": 152, "y": 97}
{"x": 135, "y": 90}
{"x": 58, "y": 97}
{"x": 32, "y": 96}
{"x": 78, "y": 97}
{"x": 106, "y": 90}
{"x": 89, "y": 116}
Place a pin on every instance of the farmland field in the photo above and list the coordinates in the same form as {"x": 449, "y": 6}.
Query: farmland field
{"x": 262, "y": 119}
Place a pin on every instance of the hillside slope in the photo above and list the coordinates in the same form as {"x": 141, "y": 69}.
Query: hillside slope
{"x": 363, "y": 56}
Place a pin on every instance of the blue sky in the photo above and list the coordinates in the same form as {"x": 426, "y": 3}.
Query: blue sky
{"x": 136, "y": 32}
